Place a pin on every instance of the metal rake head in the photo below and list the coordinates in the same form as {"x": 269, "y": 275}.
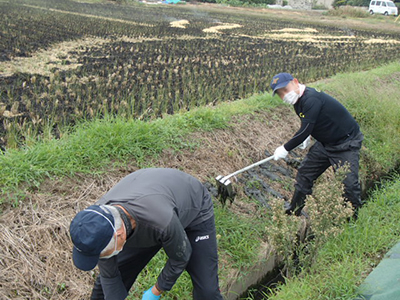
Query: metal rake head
{"x": 225, "y": 190}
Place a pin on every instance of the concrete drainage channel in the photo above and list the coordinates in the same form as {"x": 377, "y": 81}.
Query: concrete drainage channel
{"x": 260, "y": 290}
{"x": 257, "y": 185}
{"x": 266, "y": 273}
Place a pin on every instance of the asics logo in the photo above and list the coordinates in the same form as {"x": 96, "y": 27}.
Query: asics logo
{"x": 201, "y": 238}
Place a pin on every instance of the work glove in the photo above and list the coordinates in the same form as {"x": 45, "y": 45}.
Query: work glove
{"x": 148, "y": 295}
{"x": 280, "y": 152}
{"x": 306, "y": 143}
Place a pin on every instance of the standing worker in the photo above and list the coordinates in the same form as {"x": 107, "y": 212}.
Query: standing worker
{"x": 337, "y": 134}
{"x": 148, "y": 210}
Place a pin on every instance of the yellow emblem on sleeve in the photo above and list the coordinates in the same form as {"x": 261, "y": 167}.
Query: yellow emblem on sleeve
{"x": 301, "y": 115}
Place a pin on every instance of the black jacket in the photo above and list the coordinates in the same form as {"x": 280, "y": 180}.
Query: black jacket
{"x": 324, "y": 118}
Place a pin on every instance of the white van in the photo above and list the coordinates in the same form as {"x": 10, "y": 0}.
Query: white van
{"x": 384, "y": 7}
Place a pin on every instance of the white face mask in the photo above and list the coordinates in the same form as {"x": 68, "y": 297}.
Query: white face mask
{"x": 115, "y": 252}
{"x": 291, "y": 97}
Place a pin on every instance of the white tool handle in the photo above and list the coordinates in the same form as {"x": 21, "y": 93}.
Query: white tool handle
{"x": 247, "y": 168}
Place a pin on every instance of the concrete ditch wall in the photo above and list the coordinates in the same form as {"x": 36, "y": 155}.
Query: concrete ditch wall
{"x": 242, "y": 280}
{"x": 262, "y": 271}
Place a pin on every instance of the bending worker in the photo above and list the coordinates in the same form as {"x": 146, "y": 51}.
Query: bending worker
{"x": 337, "y": 134}
{"x": 148, "y": 210}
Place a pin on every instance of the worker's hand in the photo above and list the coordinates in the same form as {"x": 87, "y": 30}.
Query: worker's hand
{"x": 280, "y": 152}
{"x": 306, "y": 143}
{"x": 148, "y": 295}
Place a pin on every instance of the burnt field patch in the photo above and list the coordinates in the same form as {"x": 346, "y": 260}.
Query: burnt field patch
{"x": 152, "y": 61}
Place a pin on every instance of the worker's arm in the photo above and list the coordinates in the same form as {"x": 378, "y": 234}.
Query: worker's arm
{"x": 111, "y": 281}
{"x": 177, "y": 246}
{"x": 300, "y": 136}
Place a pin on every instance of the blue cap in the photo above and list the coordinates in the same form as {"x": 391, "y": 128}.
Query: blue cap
{"x": 279, "y": 81}
{"x": 91, "y": 230}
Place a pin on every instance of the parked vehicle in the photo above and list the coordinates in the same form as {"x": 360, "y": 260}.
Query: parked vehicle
{"x": 384, "y": 7}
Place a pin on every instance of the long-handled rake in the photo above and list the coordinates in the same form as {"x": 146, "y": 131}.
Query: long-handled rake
{"x": 224, "y": 185}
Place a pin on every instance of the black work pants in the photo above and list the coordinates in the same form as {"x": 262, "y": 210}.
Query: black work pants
{"x": 320, "y": 157}
{"x": 202, "y": 266}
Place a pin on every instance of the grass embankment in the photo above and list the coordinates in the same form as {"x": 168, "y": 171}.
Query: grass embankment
{"x": 98, "y": 146}
{"x": 95, "y": 146}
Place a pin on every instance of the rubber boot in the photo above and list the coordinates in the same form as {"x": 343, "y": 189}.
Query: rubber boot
{"x": 354, "y": 217}
{"x": 297, "y": 203}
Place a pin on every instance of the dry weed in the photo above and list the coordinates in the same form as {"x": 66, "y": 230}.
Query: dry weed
{"x": 327, "y": 212}
{"x": 327, "y": 208}
{"x": 283, "y": 233}
{"x": 35, "y": 252}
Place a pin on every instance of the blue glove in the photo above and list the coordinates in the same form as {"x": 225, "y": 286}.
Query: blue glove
{"x": 148, "y": 295}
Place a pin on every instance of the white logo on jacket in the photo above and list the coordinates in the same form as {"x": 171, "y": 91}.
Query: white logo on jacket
{"x": 201, "y": 238}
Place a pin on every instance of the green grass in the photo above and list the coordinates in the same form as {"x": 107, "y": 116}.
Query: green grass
{"x": 233, "y": 248}
{"x": 242, "y": 252}
{"x": 93, "y": 147}
{"x": 344, "y": 261}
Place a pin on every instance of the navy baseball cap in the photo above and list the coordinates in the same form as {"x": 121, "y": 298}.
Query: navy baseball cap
{"x": 91, "y": 230}
{"x": 279, "y": 81}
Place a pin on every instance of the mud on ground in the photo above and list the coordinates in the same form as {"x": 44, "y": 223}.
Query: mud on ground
{"x": 35, "y": 252}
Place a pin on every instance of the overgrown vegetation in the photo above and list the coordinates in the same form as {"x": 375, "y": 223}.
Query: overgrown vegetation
{"x": 282, "y": 233}
{"x": 346, "y": 259}
{"x": 327, "y": 212}
{"x": 348, "y": 11}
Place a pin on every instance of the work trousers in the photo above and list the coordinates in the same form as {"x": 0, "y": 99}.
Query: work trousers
{"x": 202, "y": 266}
{"x": 320, "y": 157}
